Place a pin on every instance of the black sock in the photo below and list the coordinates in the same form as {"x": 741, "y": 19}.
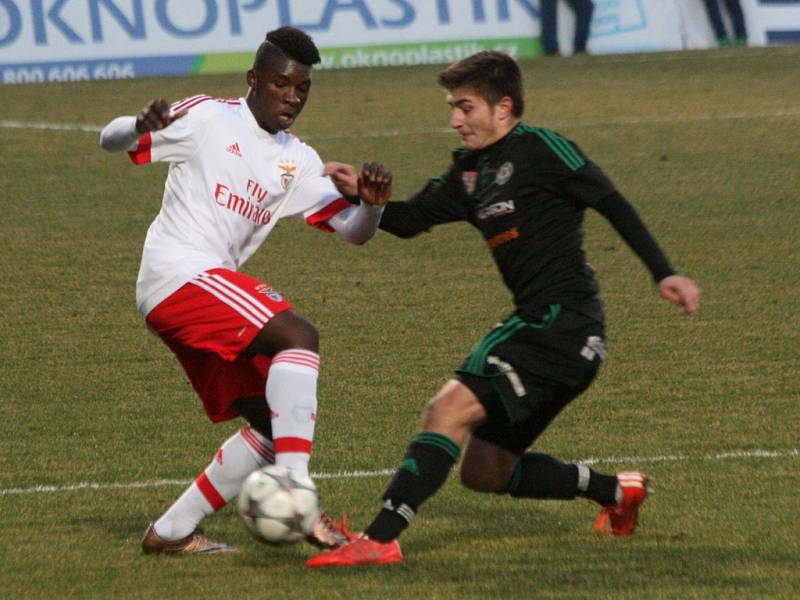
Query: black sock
{"x": 601, "y": 488}
{"x": 542, "y": 476}
{"x": 424, "y": 470}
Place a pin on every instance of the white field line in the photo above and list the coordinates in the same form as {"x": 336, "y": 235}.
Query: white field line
{"x": 642, "y": 120}
{"x": 730, "y": 455}
{"x": 50, "y": 126}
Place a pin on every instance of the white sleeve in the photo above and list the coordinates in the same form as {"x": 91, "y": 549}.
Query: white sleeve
{"x": 357, "y": 224}
{"x": 175, "y": 143}
{"x": 119, "y": 135}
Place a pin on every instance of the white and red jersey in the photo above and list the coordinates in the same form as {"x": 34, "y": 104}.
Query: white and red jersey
{"x": 229, "y": 182}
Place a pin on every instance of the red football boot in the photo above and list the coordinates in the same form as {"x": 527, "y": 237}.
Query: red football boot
{"x": 622, "y": 519}
{"x": 360, "y": 551}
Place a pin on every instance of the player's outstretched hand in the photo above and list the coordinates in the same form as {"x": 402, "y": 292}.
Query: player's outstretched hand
{"x": 344, "y": 177}
{"x": 681, "y": 290}
{"x": 375, "y": 184}
{"x": 156, "y": 115}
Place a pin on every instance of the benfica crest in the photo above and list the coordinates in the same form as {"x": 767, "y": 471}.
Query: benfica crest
{"x": 288, "y": 168}
{"x": 470, "y": 180}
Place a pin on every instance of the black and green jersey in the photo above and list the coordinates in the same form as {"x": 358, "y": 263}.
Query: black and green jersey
{"x": 527, "y": 194}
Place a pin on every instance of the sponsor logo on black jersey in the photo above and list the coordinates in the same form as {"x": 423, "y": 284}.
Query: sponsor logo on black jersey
{"x": 470, "y": 180}
{"x": 504, "y": 207}
{"x": 502, "y": 238}
{"x": 504, "y": 173}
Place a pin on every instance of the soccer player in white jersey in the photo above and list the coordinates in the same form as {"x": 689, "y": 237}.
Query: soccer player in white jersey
{"x": 234, "y": 171}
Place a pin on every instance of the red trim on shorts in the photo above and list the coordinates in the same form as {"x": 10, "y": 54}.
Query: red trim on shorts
{"x": 319, "y": 219}
{"x": 210, "y": 492}
{"x": 141, "y": 155}
{"x": 292, "y": 444}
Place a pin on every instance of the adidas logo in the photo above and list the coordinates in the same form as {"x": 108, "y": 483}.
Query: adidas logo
{"x": 234, "y": 149}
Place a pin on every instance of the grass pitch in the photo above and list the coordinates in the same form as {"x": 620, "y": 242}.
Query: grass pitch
{"x": 99, "y": 427}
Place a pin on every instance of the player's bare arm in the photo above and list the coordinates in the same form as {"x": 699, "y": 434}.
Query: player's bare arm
{"x": 681, "y": 290}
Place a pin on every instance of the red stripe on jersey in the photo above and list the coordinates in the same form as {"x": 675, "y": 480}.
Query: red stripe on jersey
{"x": 176, "y": 106}
{"x": 210, "y": 492}
{"x": 292, "y": 444}
{"x": 319, "y": 219}
{"x": 195, "y": 103}
{"x": 141, "y": 156}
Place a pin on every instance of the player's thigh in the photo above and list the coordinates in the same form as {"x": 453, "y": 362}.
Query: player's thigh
{"x": 208, "y": 324}
{"x": 516, "y": 437}
{"x": 220, "y": 383}
{"x": 527, "y": 369}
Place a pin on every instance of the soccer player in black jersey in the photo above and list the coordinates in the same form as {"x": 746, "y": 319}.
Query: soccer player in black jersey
{"x": 525, "y": 189}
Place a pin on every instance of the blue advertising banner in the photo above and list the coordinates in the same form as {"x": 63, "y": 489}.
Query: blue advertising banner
{"x": 61, "y": 40}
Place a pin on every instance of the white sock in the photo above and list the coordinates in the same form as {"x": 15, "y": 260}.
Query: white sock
{"x": 292, "y": 398}
{"x": 240, "y": 455}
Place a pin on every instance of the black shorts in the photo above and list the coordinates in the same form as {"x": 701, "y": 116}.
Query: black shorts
{"x": 527, "y": 369}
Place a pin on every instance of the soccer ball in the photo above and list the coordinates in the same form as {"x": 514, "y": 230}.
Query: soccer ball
{"x": 278, "y": 506}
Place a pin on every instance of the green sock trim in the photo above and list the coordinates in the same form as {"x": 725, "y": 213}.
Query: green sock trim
{"x": 441, "y": 441}
{"x": 513, "y": 483}
{"x": 409, "y": 465}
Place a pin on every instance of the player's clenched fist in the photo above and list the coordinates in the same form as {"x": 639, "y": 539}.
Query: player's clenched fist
{"x": 155, "y": 116}
{"x": 375, "y": 184}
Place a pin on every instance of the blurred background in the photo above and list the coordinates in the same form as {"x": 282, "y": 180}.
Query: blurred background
{"x": 62, "y": 40}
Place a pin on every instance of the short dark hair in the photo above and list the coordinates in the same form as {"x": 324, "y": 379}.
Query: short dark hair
{"x": 289, "y": 42}
{"x": 491, "y": 74}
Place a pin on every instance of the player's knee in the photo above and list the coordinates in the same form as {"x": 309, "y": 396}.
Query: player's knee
{"x": 285, "y": 331}
{"x": 441, "y": 410}
{"x": 456, "y": 405}
{"x": 304, "y": 335}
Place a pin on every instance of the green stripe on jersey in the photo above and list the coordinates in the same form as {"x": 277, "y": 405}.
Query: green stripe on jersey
{"x": 559, "y": 145}
{"x": 565, "y": 150}
{"x": 437, "y": 182}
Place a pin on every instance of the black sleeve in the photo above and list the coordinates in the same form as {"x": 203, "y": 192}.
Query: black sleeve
{"x": 585, "y": 183}
{"x": 624, "y": 218}
{"x": 440, "y": 201}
